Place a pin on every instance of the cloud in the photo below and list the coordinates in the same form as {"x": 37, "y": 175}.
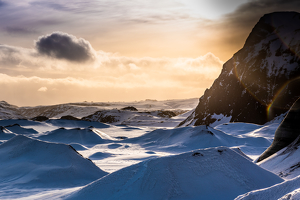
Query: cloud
{"x": 19, "y": 30}
{"x": 64, "y": 46}
{"x": 129, "y": 87}
{"x": 108, "y": 76}
{"x": 2, "y": 3}
{"x": 43, "y": 89}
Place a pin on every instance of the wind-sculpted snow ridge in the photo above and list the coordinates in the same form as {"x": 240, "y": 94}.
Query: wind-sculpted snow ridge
{"x": 288, "y": 190}
{"x": 84, "y": 136}
{"x": 189, "y": 138}
{"x": 287, "y": 132}
{"x": 215, "y": 173}
{"x": 6, "y": 134}
{"x": 261, "y": 81}
{"x": 16, "y": 128}
{"x": 21, "y": 122}
{"x": 29, "y": 163}
{"x": 286, "y": 162}
{"x": 75, "y": 123}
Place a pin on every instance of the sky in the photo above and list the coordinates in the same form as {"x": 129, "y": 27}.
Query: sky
{"x": 55, "y": 52}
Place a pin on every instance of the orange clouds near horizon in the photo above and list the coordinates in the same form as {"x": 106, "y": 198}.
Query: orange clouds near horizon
{"x": 48, "y": 74}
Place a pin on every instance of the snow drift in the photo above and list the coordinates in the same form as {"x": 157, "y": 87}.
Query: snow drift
{"x": 286, "y": 133}
{"x": 84, "y": 136}
{"x": 215, "y": 173}
{"x": 286, "y": 162}
{"x": 190, "y": 138}
{"x": 30, "y": 163}
{"x": 287, "y": 190}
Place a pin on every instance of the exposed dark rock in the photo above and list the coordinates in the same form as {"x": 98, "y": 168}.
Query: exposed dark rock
{"x": 197, "y": 154}
{"x": 12, "y": 125}
{"x": 261, "y": 80}
{"x": 69, "y": 117}
{"x": 121, "y": 137}
{"x": 130, "y": 108}
{"x": 287, "y": 132}
{"x": 101, "y": 116}
{"x": 40, "y": 118}
{"x": 166, "y": 113}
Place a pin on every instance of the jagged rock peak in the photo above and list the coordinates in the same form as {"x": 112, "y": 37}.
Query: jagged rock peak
{"x": 261, "y": 80}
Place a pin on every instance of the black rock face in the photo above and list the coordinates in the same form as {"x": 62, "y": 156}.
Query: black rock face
{"x": 40, "y": 118}
{"x": 69, "y": 117}
{"x": 130, "y": 108}
{"x": 287, "y": 132}
{"x": 261, "y": 81}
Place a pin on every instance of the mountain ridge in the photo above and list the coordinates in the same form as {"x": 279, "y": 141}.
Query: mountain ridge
{"x": 260, "y": 81}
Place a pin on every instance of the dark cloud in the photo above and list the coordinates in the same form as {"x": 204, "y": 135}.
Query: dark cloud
{"x": 20, "y": 31}
{"x": 249, "y": 13}
{"x": 2, "y": 3}
{"x": 64, "y": 46}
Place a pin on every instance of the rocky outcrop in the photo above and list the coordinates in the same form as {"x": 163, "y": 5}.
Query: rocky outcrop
{"x": 40, "y": 118}
{"x": 69, "y": 117}
{"x": 130, "y": 108}
{"x": 261, "y": 80}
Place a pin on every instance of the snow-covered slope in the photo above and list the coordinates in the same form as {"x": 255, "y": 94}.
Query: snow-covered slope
{"x": 8, "y": 111}
{"x": 6, "y": 134}
{"x": 261, "y": 80}
{"x": 30, "y": 163}
{"x": 286, "y": 133}
{"x": 286, "y": 162}
{"x": 84, "y": 136}
{"x": 82, "y": 109}
{"x": 189, "y": 138}
{"x": 16, "y": 128}
{"x": 134, "y": 118}
{"x": 145, "y": 113}
{"x": 288, "y": 190}
{"x": 215, "y": 173}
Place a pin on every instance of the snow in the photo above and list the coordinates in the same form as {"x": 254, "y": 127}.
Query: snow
{"x": 220, "y": 119}
{"x": 284, "y": 190}
{"x": 285, "y": 162}
{"x": 140, "y": 161}
{"x": 191, "y": 175}
{"x": 30, "y": 163}
{"x": 189, "y": 138}
{"x": 83, "y": 136}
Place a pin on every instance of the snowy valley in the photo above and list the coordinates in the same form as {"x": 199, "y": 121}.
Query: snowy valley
{"x": 236, "y": 142}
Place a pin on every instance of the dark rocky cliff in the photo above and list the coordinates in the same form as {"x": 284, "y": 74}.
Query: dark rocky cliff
{"x": 261, "y": 81}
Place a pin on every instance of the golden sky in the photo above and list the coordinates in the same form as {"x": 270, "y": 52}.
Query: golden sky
{"x": 107, "y": 50}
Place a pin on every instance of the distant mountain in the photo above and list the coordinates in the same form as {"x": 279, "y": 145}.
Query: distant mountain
{"x": 261, "y": 81}
{"x": 8, "y": 111}
{"x": 150, "y": 111}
